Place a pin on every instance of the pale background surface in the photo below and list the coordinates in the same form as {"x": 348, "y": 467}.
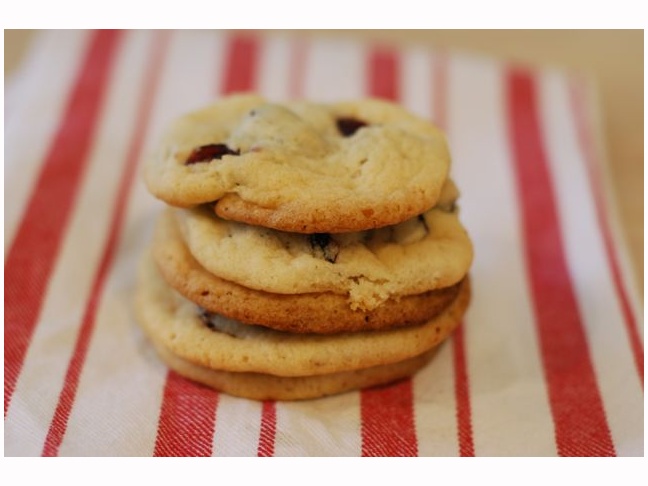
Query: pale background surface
{"x": 613, "y": 57}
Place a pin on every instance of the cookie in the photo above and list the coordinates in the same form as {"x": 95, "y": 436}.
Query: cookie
{"x": 428, "y": 252}
{"x": 219, "y": 343}
{"x": 259, "y": 386}
{"x": 302, "y": 167}
{"x": 322, "y": 312}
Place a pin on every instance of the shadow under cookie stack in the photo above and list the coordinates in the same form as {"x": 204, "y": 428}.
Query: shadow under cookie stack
{"x": 306, "y": 249}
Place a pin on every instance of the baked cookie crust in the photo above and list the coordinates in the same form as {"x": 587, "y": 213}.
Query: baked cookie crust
{"x": 219, "y": 343}
{"x": 428, "y": 252}
{"x": 302, "y": 167}
{"x": 317, "y": 312}
{"x": 260, "y": 386}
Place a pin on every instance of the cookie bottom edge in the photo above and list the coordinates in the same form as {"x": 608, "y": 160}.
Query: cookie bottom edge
{"x": 260, "y": 386}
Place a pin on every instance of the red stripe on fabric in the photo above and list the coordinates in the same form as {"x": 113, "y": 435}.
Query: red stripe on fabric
{"x": 387, "y": 427}
{"x": 581, "y": 427}
{"x": 384, "y": 69}
{"x": 59, "y": 422}
{"x": 242, "y": 63}
{"x": 587, "y": 146}
{"x": 440, "y": 90}
{"x": 462, "y": 395}
{"x": 461, "y": 381}
{"x": 31, "y": 257}
{"x": 187, "y": 419}
{"x": 387, "y": 413}
{"x": 268, "y": 429}
{"x": 240, "y": 73}
{"x": 299, "y": 54}
{"x": 267, "y": 434}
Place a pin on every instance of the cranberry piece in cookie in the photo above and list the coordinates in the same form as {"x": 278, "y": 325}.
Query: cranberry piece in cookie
{"x": 210, "y": 152}
{"x": 348, "y": 126}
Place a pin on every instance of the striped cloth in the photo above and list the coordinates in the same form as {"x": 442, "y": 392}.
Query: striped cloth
{"x": 548, "y": 362}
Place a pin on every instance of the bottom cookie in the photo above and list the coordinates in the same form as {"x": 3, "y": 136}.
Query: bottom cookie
{"x": 260, "y": 386}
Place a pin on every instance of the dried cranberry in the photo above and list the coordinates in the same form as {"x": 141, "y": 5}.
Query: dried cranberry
{"x": 210, "y": 152}
{"x": 348, "y": 126}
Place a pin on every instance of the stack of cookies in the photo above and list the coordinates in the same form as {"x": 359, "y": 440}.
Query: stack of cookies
{"x": 306, "y": 249}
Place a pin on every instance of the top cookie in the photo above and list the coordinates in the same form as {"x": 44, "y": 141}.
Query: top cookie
{"x": 302, "y": 167}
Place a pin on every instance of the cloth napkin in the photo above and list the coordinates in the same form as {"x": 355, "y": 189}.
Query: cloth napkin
{"x": 548, "y": 361}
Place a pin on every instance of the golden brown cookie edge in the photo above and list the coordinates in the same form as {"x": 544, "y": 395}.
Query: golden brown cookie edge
{"x": 304, "y": 313}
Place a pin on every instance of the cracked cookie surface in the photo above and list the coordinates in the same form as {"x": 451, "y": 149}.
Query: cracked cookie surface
{"x": 302, "y": 167}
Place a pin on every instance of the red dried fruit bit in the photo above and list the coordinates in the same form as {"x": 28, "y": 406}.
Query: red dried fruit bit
{"x": 348, "y": 126}
{"x": 210, "y": 152}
